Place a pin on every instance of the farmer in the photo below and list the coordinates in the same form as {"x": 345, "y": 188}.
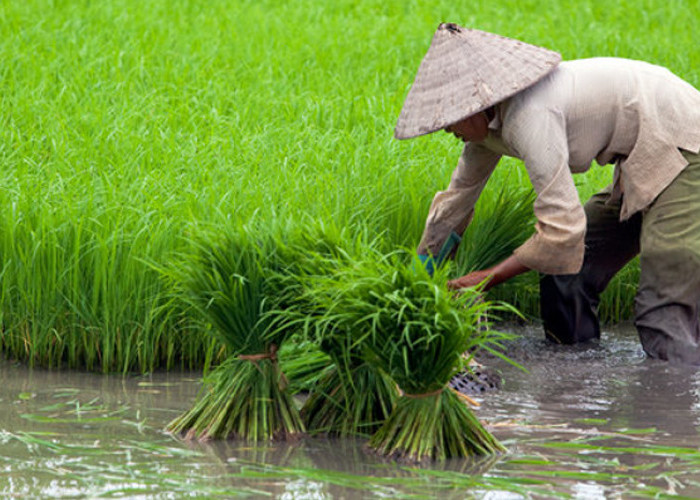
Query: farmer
{"x": 505, "y": 97}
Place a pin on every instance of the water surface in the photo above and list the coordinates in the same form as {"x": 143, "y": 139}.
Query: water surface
{"x": 598, "y": 421}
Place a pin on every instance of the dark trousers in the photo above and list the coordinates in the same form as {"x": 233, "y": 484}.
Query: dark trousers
{"x": 667, "y": 237}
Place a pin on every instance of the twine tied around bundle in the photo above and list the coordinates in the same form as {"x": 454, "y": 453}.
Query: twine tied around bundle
{"x": 421, "y": 396}
{"x": 272, "y": 356}
{"x": 436, "y": 392}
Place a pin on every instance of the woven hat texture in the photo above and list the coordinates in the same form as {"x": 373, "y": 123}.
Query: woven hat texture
{"x": 466, "y": 71}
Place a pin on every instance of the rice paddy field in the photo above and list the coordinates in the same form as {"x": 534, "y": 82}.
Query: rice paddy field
{"x": 133, "y": 134}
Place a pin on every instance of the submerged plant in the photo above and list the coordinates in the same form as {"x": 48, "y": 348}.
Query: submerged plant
{"x": 413, "y": 329}
{"x": 244, "y": 397}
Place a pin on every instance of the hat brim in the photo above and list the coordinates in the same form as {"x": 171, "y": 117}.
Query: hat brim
{"x": 466, "y": 71}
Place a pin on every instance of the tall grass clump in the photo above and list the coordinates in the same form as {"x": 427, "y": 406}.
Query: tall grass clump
{"x": 503, "y": 220}
{"x": 412, "y": 329}
{"x": 76, "y": 291}
{"x": 501, "y": 224}
{"x": 227, "y": 284}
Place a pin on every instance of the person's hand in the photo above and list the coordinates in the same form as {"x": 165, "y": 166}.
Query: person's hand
{"x": 472, "y": 279}
{"x": 491, "y": 277}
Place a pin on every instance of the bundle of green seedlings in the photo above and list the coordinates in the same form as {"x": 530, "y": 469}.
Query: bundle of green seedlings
{"x": 227, "y": 282}
{"x": 409, "y": 326}
{"x": 353, "y": 397}
{"x": 349, "y": 397}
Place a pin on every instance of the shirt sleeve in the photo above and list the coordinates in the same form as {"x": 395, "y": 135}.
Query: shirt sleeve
{"x": 453, "y": 209}
{"x": 538, "y": 136}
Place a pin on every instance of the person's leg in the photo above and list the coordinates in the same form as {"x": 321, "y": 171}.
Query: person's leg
{"x": 569, "y": 303}
{"x": 668, "y": 300}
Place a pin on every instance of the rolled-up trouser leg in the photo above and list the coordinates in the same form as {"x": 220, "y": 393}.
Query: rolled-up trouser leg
{"x": 668, "y": 300}
{"x": 569, "y": 303}
{"x": 569, "y": 313}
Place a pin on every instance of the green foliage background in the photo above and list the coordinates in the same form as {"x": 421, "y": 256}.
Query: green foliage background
{"x": 128, "y": 127}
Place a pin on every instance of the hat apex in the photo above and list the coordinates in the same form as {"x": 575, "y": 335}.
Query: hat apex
{"x": 466, "y": 71}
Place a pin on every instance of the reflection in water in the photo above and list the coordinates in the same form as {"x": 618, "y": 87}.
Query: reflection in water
{"x": 588, "y": 491}
{"x": 584, "y": 421}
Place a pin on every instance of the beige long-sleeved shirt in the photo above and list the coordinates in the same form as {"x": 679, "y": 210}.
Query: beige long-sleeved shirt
{"x": 630, "y": 113}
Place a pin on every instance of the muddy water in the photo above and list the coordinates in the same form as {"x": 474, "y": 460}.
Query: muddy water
{"x": 594, "y": 422}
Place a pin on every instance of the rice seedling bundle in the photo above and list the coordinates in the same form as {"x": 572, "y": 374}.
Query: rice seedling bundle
{"x": 245, "y": 397}
{"x": 410, "y": 327}
{"x": 302, "y": 363}
{"x": 350, "y": 396}
{"x": 503, "y": 220}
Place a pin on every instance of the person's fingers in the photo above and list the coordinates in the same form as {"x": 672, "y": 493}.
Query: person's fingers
{"x": 472, "y": 279}
{"x": 463, "y": 282}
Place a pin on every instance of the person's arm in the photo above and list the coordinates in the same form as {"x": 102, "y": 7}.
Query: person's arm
{"x": 538, "y": 135}
{"x": 452, "y": 209}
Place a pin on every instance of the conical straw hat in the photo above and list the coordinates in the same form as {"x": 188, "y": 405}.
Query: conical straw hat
{"x": 466, "y": 71}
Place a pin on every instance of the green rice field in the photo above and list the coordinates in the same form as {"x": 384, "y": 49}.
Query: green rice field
{"x": 134, "y": 134}
{"x": 130, "y": 129}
